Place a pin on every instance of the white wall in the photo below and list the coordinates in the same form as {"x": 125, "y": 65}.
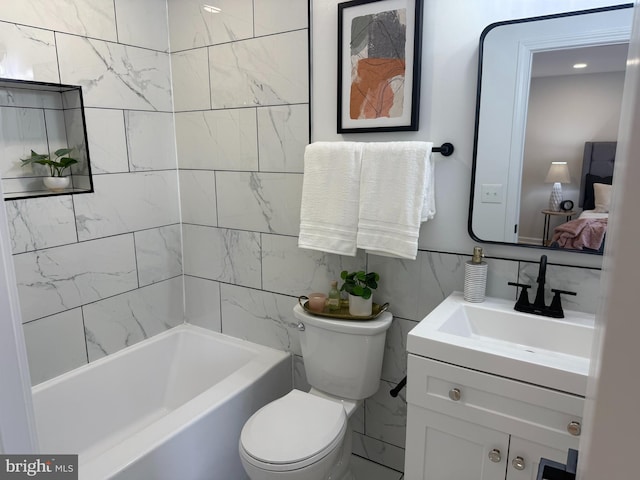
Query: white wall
{"x": 447, "y": 107}
{"x": 612, "y": 420}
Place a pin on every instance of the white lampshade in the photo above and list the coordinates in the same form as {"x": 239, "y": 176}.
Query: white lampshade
{"x": 558, "y": 172}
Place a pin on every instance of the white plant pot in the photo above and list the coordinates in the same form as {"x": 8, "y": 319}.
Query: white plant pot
{"x": 56, "y": 184}
{"x": 359, "y": 307}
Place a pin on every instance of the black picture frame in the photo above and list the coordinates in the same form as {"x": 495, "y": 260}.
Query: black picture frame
{"x": 379, "y": 63}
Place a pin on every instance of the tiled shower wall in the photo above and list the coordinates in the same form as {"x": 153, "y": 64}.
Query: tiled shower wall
{"x": 100, "y": 271}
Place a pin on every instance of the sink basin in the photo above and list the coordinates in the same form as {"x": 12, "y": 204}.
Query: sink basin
{"x": 494, "y": 338}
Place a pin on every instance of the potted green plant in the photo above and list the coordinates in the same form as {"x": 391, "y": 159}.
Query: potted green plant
{"x": 359, "y": 286}
{"x": 57, "y": 180}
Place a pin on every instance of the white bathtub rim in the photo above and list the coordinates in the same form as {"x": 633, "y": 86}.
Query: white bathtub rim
{"x": 151, "y": 436}
{"x": 183, "y": 327}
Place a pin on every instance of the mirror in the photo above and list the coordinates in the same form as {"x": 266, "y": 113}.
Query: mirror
{"x": 535, "y": 108}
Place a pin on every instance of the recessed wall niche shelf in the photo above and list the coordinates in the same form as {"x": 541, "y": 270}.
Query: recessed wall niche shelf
{"x": 43, "y": 117}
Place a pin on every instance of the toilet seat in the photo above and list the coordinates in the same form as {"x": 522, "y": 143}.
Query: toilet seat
{"x": 293, "y": 432}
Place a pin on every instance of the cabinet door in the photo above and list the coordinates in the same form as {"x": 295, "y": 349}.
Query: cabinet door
{"x": 526, "y": 455}
{"x": 440, "y": 447}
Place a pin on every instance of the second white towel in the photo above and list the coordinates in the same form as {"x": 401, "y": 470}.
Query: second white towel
{"x": 396, "y": 196}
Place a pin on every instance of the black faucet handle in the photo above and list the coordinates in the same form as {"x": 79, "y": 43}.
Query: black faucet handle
{"x": 555, "y": 309}
{"x": 564, "y": 292}
{"x": 523, "y": 304}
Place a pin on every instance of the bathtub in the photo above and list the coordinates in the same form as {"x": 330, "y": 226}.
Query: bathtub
{"x": 170, "y": 407}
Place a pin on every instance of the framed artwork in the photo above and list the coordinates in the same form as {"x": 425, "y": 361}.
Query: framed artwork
{"x": 379, "y": 53}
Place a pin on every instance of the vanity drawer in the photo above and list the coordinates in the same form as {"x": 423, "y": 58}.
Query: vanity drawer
{"x": 546, "y": 416}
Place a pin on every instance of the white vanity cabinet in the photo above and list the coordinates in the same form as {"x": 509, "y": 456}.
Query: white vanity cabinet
{"x": 463, "y": 424}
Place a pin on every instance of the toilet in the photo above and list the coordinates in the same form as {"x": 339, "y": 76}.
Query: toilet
{"x": 306, "y": 436}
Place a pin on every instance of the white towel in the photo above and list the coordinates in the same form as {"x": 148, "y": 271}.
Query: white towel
{"x": 396, "y": 196}
{"x": 330, "y": 195}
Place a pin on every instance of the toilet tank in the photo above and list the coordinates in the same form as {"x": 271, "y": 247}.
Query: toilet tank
{"x": 343, "y": 357}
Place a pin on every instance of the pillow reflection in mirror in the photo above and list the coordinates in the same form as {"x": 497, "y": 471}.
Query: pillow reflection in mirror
{"x": 602, "y": 194}
{"x": 589, "y": 196}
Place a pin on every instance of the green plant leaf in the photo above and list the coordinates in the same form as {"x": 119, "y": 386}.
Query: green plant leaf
{"x": 63, "y": 151}
{"x": 67, "y": 162}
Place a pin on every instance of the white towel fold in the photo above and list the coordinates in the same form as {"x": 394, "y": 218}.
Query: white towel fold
{"x": 396, "y": 196}
{"x": 330, "y": 195}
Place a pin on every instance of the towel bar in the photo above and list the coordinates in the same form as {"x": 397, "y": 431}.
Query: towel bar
{"x": 445, "y": 149}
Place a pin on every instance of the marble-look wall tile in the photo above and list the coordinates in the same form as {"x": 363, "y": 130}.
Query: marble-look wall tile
{"x": 191, "y": 25}
{"x": 394, "y": 365}
{"x": 109, "y": 210}
{"x": 22, "y": 130}
{"x": 60, "y": 134}
{"x": 500, "y": 273}
{"x": 198, "y": 197}
{"x": 260, "y": 317}
{"x": 202, "y": 302}
{"x": 118, "y": 322}
{"x": 386, "y": 416}
{"x": 37, "y": 223}
{"x": 55, "y": 345}
{"x": 11, "y": 97}
{"x": 57, "y": 279}
{"x": 107, "y": 141}
{"x": 231, "y": 256}
{"x": 415, "y": 287}
{"x": 150, "y": 140}
{"x": 297, "y": 271}
{"x": 283, "y": 134}
{"x": 143, "y": 23}
{"x": 378, "y": 451}
{"x": 584, "y": 281}
{"x": 114, "y": 75}
{"x": 269, "y": 16}
{"x": 190, "y": 80}
{"x": 264, "y": 202}
{"x": 92, "y": 18}
{"x": 158, "y": 254}
{"x": 218, "y": 139}
{"x": 28, "y": 53}
{"x": 262, "y": 71}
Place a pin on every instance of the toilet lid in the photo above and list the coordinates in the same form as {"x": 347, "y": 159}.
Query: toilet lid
{"x": 295, "y": 428}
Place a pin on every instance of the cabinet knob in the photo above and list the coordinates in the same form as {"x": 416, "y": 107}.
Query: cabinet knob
{"x": 518, "y": 463}
{"x": 455, "y": 394}
{"x": 495, "y": 456}
{"x": 574, "y": 428}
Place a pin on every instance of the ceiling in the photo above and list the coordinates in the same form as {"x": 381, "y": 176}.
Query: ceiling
{"x": 599, "y": 59}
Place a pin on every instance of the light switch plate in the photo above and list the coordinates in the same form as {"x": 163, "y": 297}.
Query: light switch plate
{"x": 491, "y": 193}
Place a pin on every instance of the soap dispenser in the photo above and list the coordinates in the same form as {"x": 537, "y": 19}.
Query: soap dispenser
{"x": 475, "y": 277}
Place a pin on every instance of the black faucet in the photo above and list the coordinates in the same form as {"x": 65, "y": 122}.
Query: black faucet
{"x": 538, "y": 307}
{"x": 542, "y": 278}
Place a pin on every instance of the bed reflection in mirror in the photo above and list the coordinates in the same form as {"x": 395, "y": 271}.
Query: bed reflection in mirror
{"x": 538, "y": 104}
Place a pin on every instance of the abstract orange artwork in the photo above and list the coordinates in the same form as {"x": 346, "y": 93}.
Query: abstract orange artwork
{"x": 377, "y": 65}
